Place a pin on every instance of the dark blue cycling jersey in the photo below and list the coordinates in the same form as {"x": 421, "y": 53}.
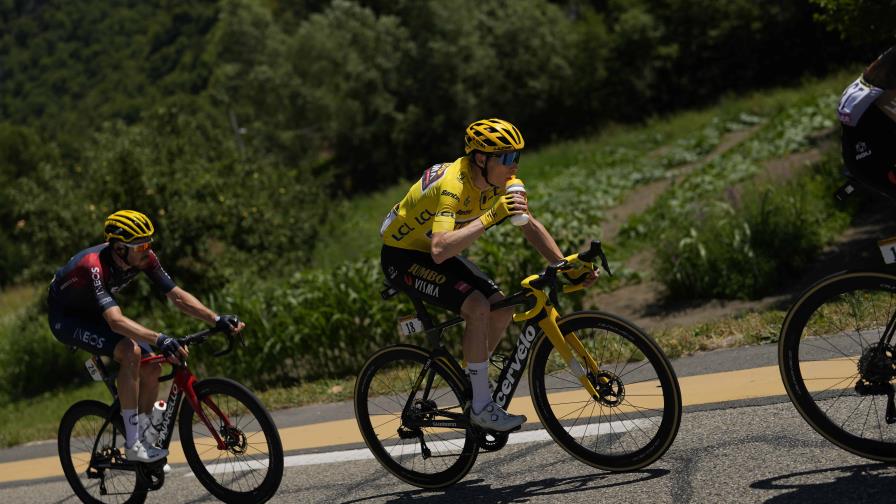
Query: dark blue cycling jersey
{"x": 82, "y": 290}
{"x": 87, "y": 282}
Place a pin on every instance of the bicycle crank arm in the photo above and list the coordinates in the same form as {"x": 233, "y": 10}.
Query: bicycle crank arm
{"x": 118, "y": 466}
{"x": 444, "y": 423}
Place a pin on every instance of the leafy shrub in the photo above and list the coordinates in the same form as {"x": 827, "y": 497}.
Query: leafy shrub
{"x": 32, "y": 360}
{"x": 747, "y": 249}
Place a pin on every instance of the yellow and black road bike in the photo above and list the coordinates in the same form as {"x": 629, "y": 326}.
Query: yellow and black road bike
{"x": 837, "y": 356}
{"x": 602, "y": 388}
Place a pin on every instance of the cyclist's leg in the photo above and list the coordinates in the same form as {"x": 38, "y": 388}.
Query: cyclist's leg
{"x": 127, "y": 353}
{"x": 475, "y": 312}
{"x": 149, "y": 386}
{"x": 92, "y": 333}
{"x": 499, "y": 320}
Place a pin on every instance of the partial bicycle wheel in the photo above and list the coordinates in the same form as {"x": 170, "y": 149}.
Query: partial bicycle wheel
{"x": 837, "y": 364}
{"x": 636, "y": 417}
{"x": 250, "y": 466}
{"x": 89, "y": 447}
{"x": 400, "y": 388}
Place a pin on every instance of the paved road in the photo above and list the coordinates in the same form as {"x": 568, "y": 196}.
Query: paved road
{"x": 754, "y": 450}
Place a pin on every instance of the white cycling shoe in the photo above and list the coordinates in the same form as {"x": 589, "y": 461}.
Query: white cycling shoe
{"x": 494, "y": 418}
{"x": 145, "y": 454}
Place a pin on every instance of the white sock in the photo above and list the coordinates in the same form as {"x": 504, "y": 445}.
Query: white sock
{"x": 131, "y": 427}
{"x": 479, "y": 380}
{"x": 143, "y": 422}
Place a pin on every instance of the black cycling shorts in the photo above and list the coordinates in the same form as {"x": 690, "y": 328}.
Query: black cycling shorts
{"x": 446, "y": 285}
{"x": 91, "y": 333}
{"x": 869, "y": 151}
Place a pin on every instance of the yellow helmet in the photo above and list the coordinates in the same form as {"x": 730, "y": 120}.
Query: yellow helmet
{"x": 493, "y": 135}
{"x": 127, "y": 226}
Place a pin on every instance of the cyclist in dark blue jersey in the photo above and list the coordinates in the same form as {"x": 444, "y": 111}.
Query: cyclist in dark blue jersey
{"x": 867, "y": 110}
{"x": 84, "y": 313}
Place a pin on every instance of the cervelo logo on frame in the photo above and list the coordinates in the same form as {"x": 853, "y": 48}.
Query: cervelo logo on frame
{"x": 516, "y": 367}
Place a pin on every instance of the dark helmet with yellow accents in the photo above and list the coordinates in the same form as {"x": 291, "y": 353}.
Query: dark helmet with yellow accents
{"x": 493, "y": 135}
{"x": 128, "y": 226}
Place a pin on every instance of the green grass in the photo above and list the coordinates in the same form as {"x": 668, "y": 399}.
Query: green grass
{"x": 14, "y": 299}
{"x": 37, "y": 418}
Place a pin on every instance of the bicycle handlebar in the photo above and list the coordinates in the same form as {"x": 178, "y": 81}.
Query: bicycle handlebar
{"x": 201, "y": 336}
{"x": 593, "y": 252}
{"x": 547, "y": 281}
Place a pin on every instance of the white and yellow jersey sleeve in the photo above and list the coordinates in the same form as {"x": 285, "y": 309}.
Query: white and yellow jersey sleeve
{"x": 444, "y": 199}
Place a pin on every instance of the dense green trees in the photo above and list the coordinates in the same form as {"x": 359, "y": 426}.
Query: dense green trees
{"x": 162, "y": 105}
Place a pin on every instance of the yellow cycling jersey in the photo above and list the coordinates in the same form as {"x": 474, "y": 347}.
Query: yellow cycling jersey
{"x": 444, "y": 199}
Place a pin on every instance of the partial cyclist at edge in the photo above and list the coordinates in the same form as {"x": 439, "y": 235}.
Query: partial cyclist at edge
{"x": 442, "y": 215}
{"x": 83, "y": 313}
{"x": 867, "y": 111}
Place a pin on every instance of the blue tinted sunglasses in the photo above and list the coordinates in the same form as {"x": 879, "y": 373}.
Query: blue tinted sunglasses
{"x": 509, "y": 158}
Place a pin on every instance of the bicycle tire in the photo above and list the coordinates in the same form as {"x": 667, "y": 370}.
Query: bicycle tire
{"x": 241, "y": 460}
{"x": 79, "y": 430}
{"x": 637, "y": 432}
{"x": 819, "y": 359}
{"x": 393, "y": 371}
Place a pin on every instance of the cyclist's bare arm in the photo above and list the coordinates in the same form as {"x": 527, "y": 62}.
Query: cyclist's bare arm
{"x": 128, "y": 327}
{"x": 544, "y": 243}
{"x": 189, "y": 305}
{"x": 451, "y": 243}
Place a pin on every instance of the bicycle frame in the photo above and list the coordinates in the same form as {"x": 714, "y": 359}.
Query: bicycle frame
{"x": 542, "y": 314}
{"x": 182, "y": 386}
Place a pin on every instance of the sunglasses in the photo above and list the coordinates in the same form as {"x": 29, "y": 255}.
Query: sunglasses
{"x": 139, "y": 247}
{"x": 509, "y": 158}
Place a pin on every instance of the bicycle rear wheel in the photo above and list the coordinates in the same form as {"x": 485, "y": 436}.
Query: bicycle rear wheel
{"x": 88, "y": 445}
{"x": 637, "y": 415}
{"x": 250, "y": 467}
{"x": 836, "y": 365}
{"x": 395, "y": 392}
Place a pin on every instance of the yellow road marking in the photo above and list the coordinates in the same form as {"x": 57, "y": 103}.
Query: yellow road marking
{"x": 696, "y": 390}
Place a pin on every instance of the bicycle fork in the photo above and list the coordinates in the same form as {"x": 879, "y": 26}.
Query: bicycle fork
{"x": 565, "y": 345}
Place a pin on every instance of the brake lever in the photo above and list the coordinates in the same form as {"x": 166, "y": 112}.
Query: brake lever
{"x": 227, "y": 349}
{"x": 550, "y": 276}
{"x": 603, "y": 260}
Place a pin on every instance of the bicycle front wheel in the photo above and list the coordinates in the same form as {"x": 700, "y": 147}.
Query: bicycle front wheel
{"x": 400, "y": 393}
{"x": 91, "y": 451}
{"x": 837, "y": 364}
{"x": 249, "y": 467}
{"x": 636, "y": 416}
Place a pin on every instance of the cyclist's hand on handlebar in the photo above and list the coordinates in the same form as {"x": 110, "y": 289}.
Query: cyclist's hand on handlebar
{"x": 507, "y": 205}
{"x": 586, "y": 275}
{"x": 171, "y": 348}
{"x": 229, "y": 324}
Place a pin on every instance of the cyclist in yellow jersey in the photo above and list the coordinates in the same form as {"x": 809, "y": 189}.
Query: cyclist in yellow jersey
{"x": 442, "y": 214}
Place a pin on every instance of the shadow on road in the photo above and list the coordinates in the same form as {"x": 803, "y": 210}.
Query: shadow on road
{"x": 473, "y": 490}
{"x": 858, "y": 483}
